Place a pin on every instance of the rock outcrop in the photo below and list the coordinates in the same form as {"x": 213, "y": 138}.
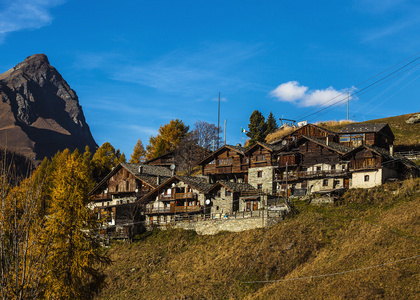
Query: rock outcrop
{"x": 414, "y": 119}
{"x": 39, "y": 112}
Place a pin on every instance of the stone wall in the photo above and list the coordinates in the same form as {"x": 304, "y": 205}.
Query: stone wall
{"x": 266, "y": 179}
{"x": 214, "y": 226}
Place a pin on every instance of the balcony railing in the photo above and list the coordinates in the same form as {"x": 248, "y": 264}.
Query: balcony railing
{"x": 174, "y": 209}
{"x": 178, "y": 196}
{"x": 309, "y": 174}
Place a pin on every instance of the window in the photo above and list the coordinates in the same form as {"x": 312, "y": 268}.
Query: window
{"x": 259, "y": 174}
{"x": 260, "y": 157}
{"x": 325, "y": 182}
{"x": 345, "y": 138}
{"x": 366, "y": 177}
{"x": 225, "y": 161}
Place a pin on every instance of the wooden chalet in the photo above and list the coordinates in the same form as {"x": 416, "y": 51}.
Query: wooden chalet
{"x": 379, "y": 135}
{"x": 309, "y": 130}
{"x": 114, "y": 197}
{"x": 371, "y": 166}
{"x": 175, "y": 199}
{"x": 227, "y": 163}
{"x": 165, "y": 160}
{"x": 311, "y": 164}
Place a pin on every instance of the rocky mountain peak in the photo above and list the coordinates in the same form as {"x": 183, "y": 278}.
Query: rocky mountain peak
{"x": 40, "y": 105}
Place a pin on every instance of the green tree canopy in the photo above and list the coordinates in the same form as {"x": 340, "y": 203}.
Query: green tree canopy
{"x": 168, "y": 138}
{"x": 257, "y": 128}
{"x": 271, "y": 124}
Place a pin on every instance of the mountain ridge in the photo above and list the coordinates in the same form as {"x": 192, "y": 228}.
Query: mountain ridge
{"x": 39, "y": 113}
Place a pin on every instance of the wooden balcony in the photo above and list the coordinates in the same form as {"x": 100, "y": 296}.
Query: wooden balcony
{"x": 178, "y": 196}
{"x": 102, "y": 197}
{"x": 309, "y": 174}
{"x": 172, "y": 210}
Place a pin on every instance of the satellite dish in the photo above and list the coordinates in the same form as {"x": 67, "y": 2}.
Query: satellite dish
{"x": 208, "y": 202}
{"x": 172, "y": 167}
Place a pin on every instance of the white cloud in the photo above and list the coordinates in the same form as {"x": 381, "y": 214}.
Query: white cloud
{"x": 289, "y": 91}
{"x": 322, "y": 97}
{"x": 26, "y": 14}
{"x": 293, "y": 92}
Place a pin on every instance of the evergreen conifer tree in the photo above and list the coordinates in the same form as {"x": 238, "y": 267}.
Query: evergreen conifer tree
{"x": 257, "y": 128}
{"x": 271, "y": 124}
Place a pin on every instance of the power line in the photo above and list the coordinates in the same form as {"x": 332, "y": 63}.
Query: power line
{"x": 337, "y": 273}
{"x": 305, "y": 115}
{"x": 364, "y": 90}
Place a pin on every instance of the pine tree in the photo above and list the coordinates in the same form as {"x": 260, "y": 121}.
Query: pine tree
{"x": 74, "y": 252}
{"x": 271, "y": 124}
{"x": 257, "y": 128}
{"x": 139, "y": 154}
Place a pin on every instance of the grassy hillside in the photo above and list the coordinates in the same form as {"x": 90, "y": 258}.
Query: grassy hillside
{"x": 369, "y": 228}
{"x": 407, "y": 136}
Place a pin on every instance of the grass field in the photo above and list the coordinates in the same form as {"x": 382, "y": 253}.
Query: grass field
{"x": 361, "y": 240}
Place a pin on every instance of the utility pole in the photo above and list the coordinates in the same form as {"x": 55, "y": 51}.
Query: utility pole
{"x": 287, "y": 187}
{"x": 218, "y": 124}
{"x": 348, "y": 98}
{"x": 225, "y": 131}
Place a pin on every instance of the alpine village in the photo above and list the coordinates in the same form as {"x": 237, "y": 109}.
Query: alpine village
{"x": 199, "y": 218}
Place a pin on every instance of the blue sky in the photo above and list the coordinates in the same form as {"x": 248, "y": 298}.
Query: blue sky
{"x": 135, "y": 65}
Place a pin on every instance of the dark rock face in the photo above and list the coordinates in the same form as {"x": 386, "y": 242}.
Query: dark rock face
{"x": 39, "y": 112}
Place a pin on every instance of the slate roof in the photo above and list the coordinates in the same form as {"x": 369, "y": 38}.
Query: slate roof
{"x": 271, "y": 147}
{"x": 198, "y": 183}
{"x": 148, "y": 174}
{"x": 335, "y": 146}
{"x": 358, "y": 128}
{"x": 147, "y": 170}
{"x": 237, "y": 187}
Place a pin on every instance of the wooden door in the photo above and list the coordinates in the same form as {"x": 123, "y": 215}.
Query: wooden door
{"x": 255, "y": 206}
{"x": 346, "y": 183}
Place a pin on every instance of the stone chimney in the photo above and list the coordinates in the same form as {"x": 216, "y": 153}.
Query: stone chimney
{"x": 391, "y": 150}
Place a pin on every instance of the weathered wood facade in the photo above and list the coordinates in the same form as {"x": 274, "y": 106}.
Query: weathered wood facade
{"x": 355, "y": 135}
{"x": 175, "y": 199}
{"x": 114, "y": 198}
{"x": 309, "y": 130}
{"x": 229, "y": 162}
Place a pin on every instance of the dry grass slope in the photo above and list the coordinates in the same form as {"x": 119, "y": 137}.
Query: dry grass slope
{"x": 368, "y": 228}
